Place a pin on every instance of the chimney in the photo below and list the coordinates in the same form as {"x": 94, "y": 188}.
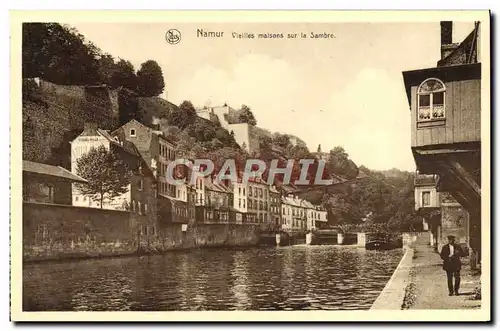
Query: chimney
{"x": 447, "y": 46}
{"x": 446, "y": 32}
{"x": 90, "y": 128}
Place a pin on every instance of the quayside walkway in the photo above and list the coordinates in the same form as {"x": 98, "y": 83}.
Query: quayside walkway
{"x": 430, "y": 287}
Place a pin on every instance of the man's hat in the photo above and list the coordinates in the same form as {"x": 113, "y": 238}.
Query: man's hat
{"x": 451, "y": 237}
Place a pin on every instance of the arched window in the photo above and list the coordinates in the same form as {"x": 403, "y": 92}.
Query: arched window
{"x": 431, "y": 95}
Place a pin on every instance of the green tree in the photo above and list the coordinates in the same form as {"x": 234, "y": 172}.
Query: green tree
{"x": 281, "y": 140}
{"x": 31, "y": 92}
{"x": 59, "y": 54}
{"x": 246, "y": 115}
{"x": 107, "y": 174}
{"x": 150, "y": 80}
{"x": 225, "y": 137}
{"x": 107, "y": 69}
{"x": 182, "y": 116}
{"x": 124, "y": 75}
{"x": 216, "y": 144}
{"x": 128, "y": 106}
{"x": 339, "y": 163}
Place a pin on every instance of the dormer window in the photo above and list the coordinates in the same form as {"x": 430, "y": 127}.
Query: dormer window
{"x": 430, "y": 96}
{"x": 132, "y": 132}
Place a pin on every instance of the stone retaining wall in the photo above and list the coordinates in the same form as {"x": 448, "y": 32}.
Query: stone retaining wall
{"x": 392, "y": 296}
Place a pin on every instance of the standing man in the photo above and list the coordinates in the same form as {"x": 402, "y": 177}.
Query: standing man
{"x": 451, "y": 254}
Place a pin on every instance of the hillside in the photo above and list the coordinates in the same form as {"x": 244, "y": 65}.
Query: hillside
{"x": 89, "y": 85}
{"x": 54, "y": 114}
{"x": 150, "y": 108}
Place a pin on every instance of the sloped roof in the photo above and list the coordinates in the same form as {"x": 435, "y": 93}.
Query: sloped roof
{"x": 126, "y": 145}
{"x": 273, "y": 189}
{"x": 288, "y": 188}
{"x": 173, "y": 200}
{"x": 150, "y": 129}
{"x": 50, "y": 170}
{"x": 308, "y": 204}
{"x": 465, "y": 53}
{"x": 123, "y": 144}
{"x": 214, "y": 186}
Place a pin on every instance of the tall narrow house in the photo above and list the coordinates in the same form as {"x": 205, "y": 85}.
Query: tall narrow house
{"x": 445, "y": 104}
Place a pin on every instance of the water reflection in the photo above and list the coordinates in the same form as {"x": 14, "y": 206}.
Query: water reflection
{"x": 239, "y": 288}
{"x": 286, "y": 278}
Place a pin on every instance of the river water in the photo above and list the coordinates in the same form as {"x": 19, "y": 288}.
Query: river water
{"x": 287, "y": 278}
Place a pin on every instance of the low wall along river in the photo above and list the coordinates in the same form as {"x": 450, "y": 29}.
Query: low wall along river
{"x": 60, "y": 232}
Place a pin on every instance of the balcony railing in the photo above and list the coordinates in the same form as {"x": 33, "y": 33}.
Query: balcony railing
{"x": 426, "y": 180}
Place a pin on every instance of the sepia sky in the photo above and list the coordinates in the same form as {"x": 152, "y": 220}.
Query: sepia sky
{"x": 346, "y": 90}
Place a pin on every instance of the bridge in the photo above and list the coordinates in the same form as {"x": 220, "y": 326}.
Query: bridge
{"x": 328, "y": 237}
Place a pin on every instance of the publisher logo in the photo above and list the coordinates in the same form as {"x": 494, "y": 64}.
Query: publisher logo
{"x": 173, "y": 36}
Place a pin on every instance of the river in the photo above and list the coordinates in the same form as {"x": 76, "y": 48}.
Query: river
{"x": 286, "y": 278}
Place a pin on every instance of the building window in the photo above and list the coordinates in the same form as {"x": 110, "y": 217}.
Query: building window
{"x": 132, "y": 132}
{"x": 133, "y": 205}
{"x": 239, "y": 203}
{"x": 51, "y": 193}
{"x": 249, "y": 203}
{"x": 426, "y": 198}
{"x": 140, "y": 185}
{"x": 139, "y": 207}
{"x": 145, "y": 208}
{"x": 41, "y": 231}
{"x": 431, "y": 96}
{"x": 243, "y": 191}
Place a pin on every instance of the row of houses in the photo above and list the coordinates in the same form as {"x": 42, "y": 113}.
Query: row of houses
{"x": 147, "y": 152}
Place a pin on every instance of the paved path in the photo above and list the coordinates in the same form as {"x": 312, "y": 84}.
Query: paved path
{"x": 431, "y": 291}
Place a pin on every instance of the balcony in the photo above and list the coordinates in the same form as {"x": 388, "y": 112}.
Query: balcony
{"x": 426, "y": 180}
